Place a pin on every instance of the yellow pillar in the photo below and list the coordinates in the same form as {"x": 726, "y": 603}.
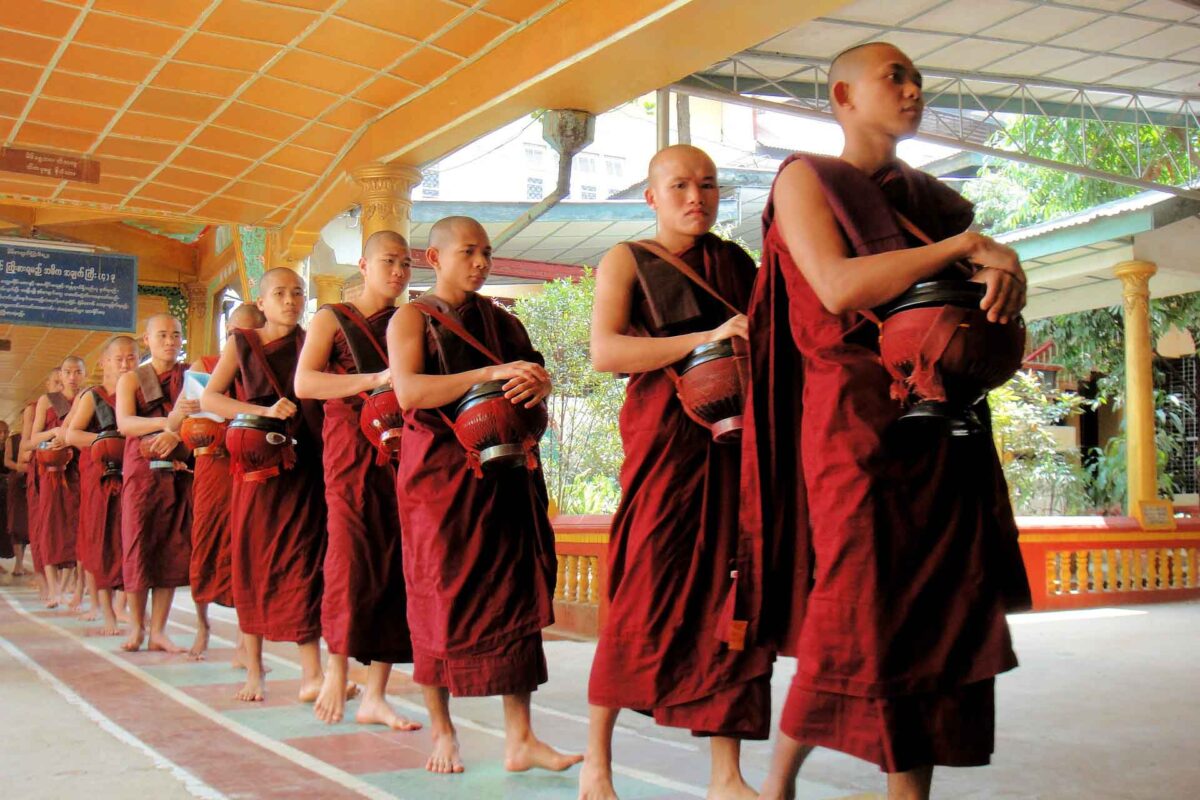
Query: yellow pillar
{"x": 199, "y": 323}
{"x": 328, "y": 289}
{"x": 1140, "y": 451}
{"x": 386, "y": 197}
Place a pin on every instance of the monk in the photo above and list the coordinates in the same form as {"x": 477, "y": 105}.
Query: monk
{"x": 156, "y": 498}
{"x": 6, "y": 539}
{"x": 891, "y": 544}
{"x": 53, "y": 384}
{"x": 100, "y": 546}
{"x": 17, "y": 464}
{"x": 676, "y": 530}
{"x": 479, "y": 563}
{"x": 277, "y": 514}
{"x": 58, "y": 498}
{"x": 363, "y": 611}
{"x": 211, "y": 570}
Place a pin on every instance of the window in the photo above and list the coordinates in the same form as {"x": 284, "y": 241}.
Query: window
{"x": 615, "y": 167}
{"x": 431, "y": 184}
{"x": 587, "y": 192}
{"x": 534, "y": 153}
{"x": 534, "y": 189}
{"x": 585, "y": 164}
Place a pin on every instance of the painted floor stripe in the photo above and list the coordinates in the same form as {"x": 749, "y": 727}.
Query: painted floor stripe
{"x": 194, "y": 785}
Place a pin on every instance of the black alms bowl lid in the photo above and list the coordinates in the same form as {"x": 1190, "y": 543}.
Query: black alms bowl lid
{"x": 964, "y": 294}
{"x": 708, "y": 352}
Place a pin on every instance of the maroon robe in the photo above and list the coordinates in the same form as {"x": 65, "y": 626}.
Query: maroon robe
{"x": 18, "y": 512}
{"x": 58, "y": 498}
{"x": 675, "y": 532}
{"x": 211, "y": 570}
{"x": 34, "y": 478}
{"x": 364, "y": 610}
{"x": 898, "y": 556}
{"x": 100, "y": 509}
{"x": 278, "y": 524}
{"x": 156, "y": 505}
{"x": 6, "y": 538}
{"x": 479, "y": 558}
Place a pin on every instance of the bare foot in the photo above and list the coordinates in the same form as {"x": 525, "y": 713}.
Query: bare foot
{"x": 91, "y": 615}
{"x": 123, "y": 616}
{"x": 595, "y": 782}
{"x": 199, "y": 645}
{"x": 252, "y": 692}
{"x": 52, "y": 601}
{"x": 445, "y": 758}
{"x": 18, "y": 572}
{"x": 75, "y": 604}
{"x": 534, "y": 753}
{"x": 163, "y": 643}
{"x": 730, "y": 790}
{"x": 330, "y": 703}
{"x": 110, "y": 630}
{"x": 376, "y": 711}
{"x": 134, "y": 642}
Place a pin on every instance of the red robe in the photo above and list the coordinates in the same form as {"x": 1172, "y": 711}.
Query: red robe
{"x": 479, "y": 558}
{"x": 58, "y": 498}
{"x": 364, "y": 609}
{"x": 278, "y": 524}
{"x": 675, "y": 532}
{"x": 33, "y": 480}
{"x": 6, "y": 538}
{"x": 18, "y": 512}
{"x": 99, "y": 509}
{"x": 211, "y": 570}
{"x": 898, "y": 557}
{"x": 156, "y": 505}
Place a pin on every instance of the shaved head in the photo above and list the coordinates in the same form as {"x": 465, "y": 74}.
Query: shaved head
{"x": 162, "y": 318}
{"x": 450, "y": 229}
{"x": 276, "y": 274}
{"x": 117, "y": 341}
{"x": 73, "y": 360}
{"x": 848, "y": 64}
{"x": 247, "y": 316}
{"x": 681, "y": 158}
{"x": 380, "y": 238}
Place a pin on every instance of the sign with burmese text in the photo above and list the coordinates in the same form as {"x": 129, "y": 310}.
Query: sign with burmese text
{"x": 50, "y": 165}
{"x": 63, "y": 289}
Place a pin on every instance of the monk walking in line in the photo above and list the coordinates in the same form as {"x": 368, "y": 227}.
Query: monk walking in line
{"x": 156, "y": 497}
{"x": 893, "y": 546}
{"x": 277, "y": 514}
{"x": 100, "y": 546}
{"x": 363, "y": 612}
{"x": 210, "y": 573}
{"x": 58, "y": 492}
{"x": 663, "y": 650}
{"x": 479, "y": 560}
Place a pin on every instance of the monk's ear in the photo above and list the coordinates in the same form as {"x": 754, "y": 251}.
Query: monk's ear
{"x": 650, "y": 199}
{"x": 839, "y": 94}
{"x": 362, "y": 267}
{"x": 431, "y": 256}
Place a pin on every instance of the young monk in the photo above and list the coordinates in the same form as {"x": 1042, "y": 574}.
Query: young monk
{"x": 211, "y": 570}
{"x": 902, "y": 538}
{"x": 662, "y": 650}
{"x": 58, "y": 498}
{"x": 100, "y": 547}
{"x": 156, "y": 498}
{"x": 479, "y": 561}
{"x": 17, "y": 464}
{"x": 6, "y": 539}
{"x": 53, "y": 384}
{"x": 278, "y": 515}
{"x": 363, "y": 612}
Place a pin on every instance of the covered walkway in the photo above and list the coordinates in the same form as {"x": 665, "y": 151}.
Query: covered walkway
{"x": 1103, "y": 707}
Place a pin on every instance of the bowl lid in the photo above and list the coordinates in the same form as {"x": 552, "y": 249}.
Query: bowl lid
{"x": 961, "y": 293}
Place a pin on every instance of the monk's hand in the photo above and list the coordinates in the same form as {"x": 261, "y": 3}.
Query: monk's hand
{"x": 1004, "y": 296}
{"x": 381, "y": 379}
{"x": 283, "y": 409}
{"x": 524, "y": 382}
{"x": 57, "y": 438}
{"x": 165, "y": 443}
{"x": 182, "y": 410}
{"x": 734, "y": 326}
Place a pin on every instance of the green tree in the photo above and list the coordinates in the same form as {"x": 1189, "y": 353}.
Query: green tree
{"x": 581, "y": 450}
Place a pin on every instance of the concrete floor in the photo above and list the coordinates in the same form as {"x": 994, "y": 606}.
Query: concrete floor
{"x": 1104, "y": 706}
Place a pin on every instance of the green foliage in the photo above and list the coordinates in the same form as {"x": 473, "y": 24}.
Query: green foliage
{"x": 581, "y": 450}
{"x": 1041, "y": 480}
{"x": 1107, "y": 472}
{"x": 1010, "y": 194}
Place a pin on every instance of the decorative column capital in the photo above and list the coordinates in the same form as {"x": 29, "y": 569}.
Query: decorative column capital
{"x": 327, "y": 288}
{"x": 197, "y": 296}
{"x": 1135, "y": 283}
{"x": 386, "y": 196}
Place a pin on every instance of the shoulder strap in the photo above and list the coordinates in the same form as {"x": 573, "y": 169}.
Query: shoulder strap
{"x": 149, "y": 384}
{"x": 348, "y": 313}
{"x": 256, "y": 347}
{"x": 105, "y": 414}
{"x": 455, "y": 327}
{"x": 681, "y": 265}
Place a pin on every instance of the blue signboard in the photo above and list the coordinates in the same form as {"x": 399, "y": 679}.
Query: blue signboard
{"x": 64, "y": 289}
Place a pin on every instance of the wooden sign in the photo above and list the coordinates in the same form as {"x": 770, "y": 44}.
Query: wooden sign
{"x": 1156, "y": 515}
{"x": 50, "y": 165}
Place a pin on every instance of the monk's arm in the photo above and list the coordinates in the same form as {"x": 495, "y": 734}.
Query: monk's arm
{"x": 312, "y": 382}
{"x": 81, "y": 416}
{"x": 406, "y": 354}
{"x": 39, "y": 433}
{"x": 27, "y": 415}
{"x": 128, "y": 422}
{"x": 843, "y": 283}
{"x": 16, "y": 466}
{"x": 214, "y": 399}
{"x": 613, "y": 350}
